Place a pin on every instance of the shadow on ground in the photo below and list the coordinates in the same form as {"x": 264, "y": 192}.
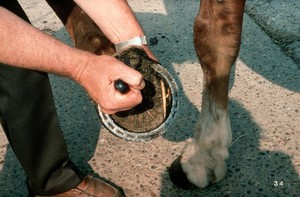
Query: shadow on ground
{"x": 251, "y": 172}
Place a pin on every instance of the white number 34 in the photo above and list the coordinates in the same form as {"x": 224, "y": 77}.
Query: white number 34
{"x": 278, "y": 183}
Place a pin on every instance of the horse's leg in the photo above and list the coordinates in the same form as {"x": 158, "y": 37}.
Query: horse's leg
{"x": 84, "y": 33}
{"x": 217, "y": 35}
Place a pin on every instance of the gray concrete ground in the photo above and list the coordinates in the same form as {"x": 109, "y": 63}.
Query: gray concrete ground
{"x": 264, "y": 108}
{"x": 281, "y": 20}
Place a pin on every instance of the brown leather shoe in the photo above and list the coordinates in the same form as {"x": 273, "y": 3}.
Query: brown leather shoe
{"x": 92, "y": 187}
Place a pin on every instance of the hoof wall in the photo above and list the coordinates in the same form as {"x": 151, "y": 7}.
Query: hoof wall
{"x": 178, "y": 177}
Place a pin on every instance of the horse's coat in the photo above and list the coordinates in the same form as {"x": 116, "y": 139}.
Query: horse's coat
{"x": 217, "y": 37}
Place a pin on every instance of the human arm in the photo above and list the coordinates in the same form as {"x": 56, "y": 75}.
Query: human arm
{"x": 115, "y": 19}
{"x": 24, "y": 46}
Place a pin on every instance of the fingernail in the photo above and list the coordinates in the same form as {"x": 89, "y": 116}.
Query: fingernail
{"x": 142, "y": 84}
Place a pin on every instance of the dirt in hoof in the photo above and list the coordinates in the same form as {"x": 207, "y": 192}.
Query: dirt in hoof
{"x": 157, "y": 98}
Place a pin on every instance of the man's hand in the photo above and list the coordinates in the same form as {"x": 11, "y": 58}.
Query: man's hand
{"x": 98, "y": 77}
{"x": 26, "y": 47}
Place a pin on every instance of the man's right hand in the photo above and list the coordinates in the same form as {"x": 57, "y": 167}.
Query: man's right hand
{"x": 98, "y": 77}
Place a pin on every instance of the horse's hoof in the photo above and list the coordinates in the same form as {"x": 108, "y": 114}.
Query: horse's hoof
{"x": 178, "y": 177}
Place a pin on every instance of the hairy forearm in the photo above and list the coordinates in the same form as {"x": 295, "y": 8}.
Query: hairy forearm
{"x": 25, "y": 46}
{"x": 114, "y": 17}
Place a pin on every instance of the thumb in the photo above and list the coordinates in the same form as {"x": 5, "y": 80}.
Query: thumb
{"x": 132, "y": 77}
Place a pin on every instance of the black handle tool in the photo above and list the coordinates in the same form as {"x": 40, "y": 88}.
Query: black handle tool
{"x": 121, "y": 86}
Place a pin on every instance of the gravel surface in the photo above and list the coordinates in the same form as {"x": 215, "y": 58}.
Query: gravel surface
{"x": 264, "y": 109}
{"x": 281, "y": 21}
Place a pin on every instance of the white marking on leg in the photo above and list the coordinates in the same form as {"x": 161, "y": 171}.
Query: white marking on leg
{"x": 203, "y": 160}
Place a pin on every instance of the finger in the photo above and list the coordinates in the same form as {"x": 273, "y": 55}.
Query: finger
{"x": 130, "y": 76}
{"x": 109, "y": 111}
{"x": 122, "y": 102}
{"x": 136, "y": 84}
{"x": 149, "y": 53}
{"x": 129, "y": 100}
{"x": 140, "y": 86}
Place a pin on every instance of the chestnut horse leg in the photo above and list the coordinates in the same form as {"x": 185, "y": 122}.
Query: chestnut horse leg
{"x": 217, "y": 37}
{"x": 84, "y": 33}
